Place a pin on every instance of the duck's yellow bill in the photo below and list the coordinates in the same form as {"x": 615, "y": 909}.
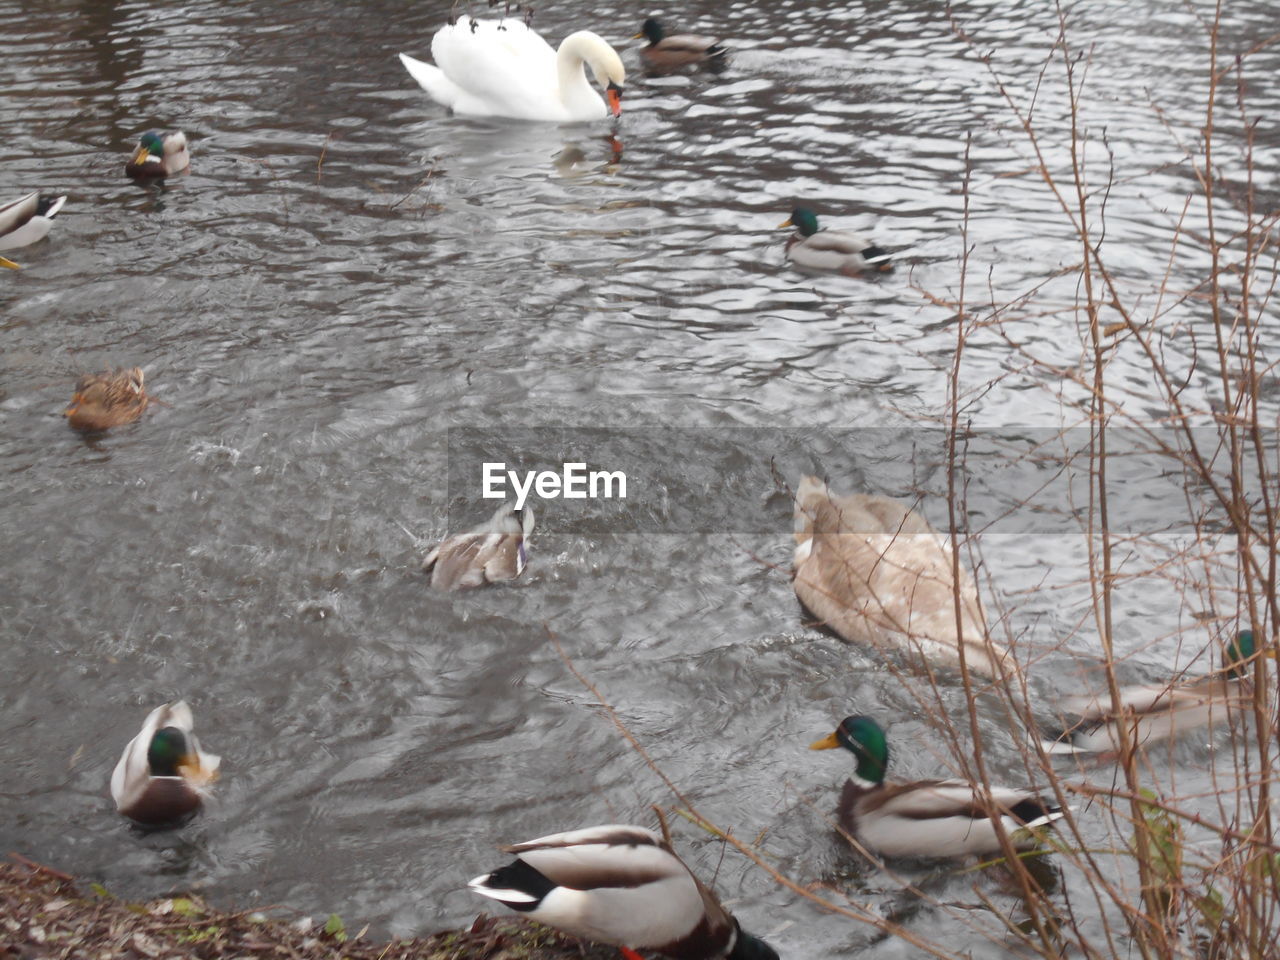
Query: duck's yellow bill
{"x": 141, "y": 155}
{"x": 639, "y": 36}
{"x": 829, "y": 742}
{"x": 785, "y": 223}
{"x": 9, "y": 263}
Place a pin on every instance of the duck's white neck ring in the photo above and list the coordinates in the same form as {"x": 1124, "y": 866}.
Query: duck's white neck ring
{"x": 861, "y": 784}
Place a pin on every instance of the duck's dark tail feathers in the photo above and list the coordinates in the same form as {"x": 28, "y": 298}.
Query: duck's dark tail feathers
{"x": 1036, "y": 811}
{"x": 747, "y": 947}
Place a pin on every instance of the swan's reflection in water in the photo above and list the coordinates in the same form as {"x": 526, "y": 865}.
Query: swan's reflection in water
{"x": 577, "y": 159}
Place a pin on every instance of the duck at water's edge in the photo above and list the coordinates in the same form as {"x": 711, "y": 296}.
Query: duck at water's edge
{"x": 621, "y": 885}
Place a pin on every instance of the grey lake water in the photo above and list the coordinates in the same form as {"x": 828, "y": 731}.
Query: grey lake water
{"x": 352, "y": 292}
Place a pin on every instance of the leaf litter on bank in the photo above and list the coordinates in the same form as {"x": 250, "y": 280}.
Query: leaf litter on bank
{"x": 47, "y": 913}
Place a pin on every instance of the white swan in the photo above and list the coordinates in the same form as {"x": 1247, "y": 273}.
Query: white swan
{"x": 501, "y": 68}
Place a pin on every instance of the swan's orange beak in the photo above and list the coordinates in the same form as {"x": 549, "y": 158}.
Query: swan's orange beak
{"x": 614, "y": 93}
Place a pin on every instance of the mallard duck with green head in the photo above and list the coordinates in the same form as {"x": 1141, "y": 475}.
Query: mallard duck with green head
{"x": 26, "y": 220}
{"x": 159, "y": 155}
{"x": 926, "y": 818}
{"x": 874, "y": 571}
{"x": 620, "y": 885}
{"x": 831, "y": 251}
{"x": 163, "y": 775}
{"x": 1149, "y": 713}
{"x": 489, "y": 553}
{"x": 105, "y": 400}
{"x": 669, "y": 53}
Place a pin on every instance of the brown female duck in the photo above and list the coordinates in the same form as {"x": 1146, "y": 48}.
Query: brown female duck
{"x": 105, "y": 400}
{"x": 493, "y": 551}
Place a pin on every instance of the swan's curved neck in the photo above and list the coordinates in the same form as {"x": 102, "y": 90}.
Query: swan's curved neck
{"x": 577, "y": 51}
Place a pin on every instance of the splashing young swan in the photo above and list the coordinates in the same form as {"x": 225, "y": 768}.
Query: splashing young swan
{"x": 875, "y": 572}
{"x": 501, "y": 68}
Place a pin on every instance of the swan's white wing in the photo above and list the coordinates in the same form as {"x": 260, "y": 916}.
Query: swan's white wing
{"x": 442, "y": 90}
{"x": 509, "y": 72}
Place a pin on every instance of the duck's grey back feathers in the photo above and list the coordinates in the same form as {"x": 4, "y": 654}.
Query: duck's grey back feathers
{"x": 938, "y": 818}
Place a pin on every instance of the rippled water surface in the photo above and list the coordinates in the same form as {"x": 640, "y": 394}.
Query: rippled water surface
{"x": 348, "y": 272}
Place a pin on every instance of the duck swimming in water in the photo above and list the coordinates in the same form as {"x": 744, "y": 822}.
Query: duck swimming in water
{"x": 163, "y": 775}
{"x": 926, "y": 818}
{"x": 671, "y": 53}
{"x": 105, "y": 400}
{"x": 1154, "y": 712}
{"x": 493, "y": 551}
{"x": 159, "y": 155}
{"x": 831, "y": 251}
